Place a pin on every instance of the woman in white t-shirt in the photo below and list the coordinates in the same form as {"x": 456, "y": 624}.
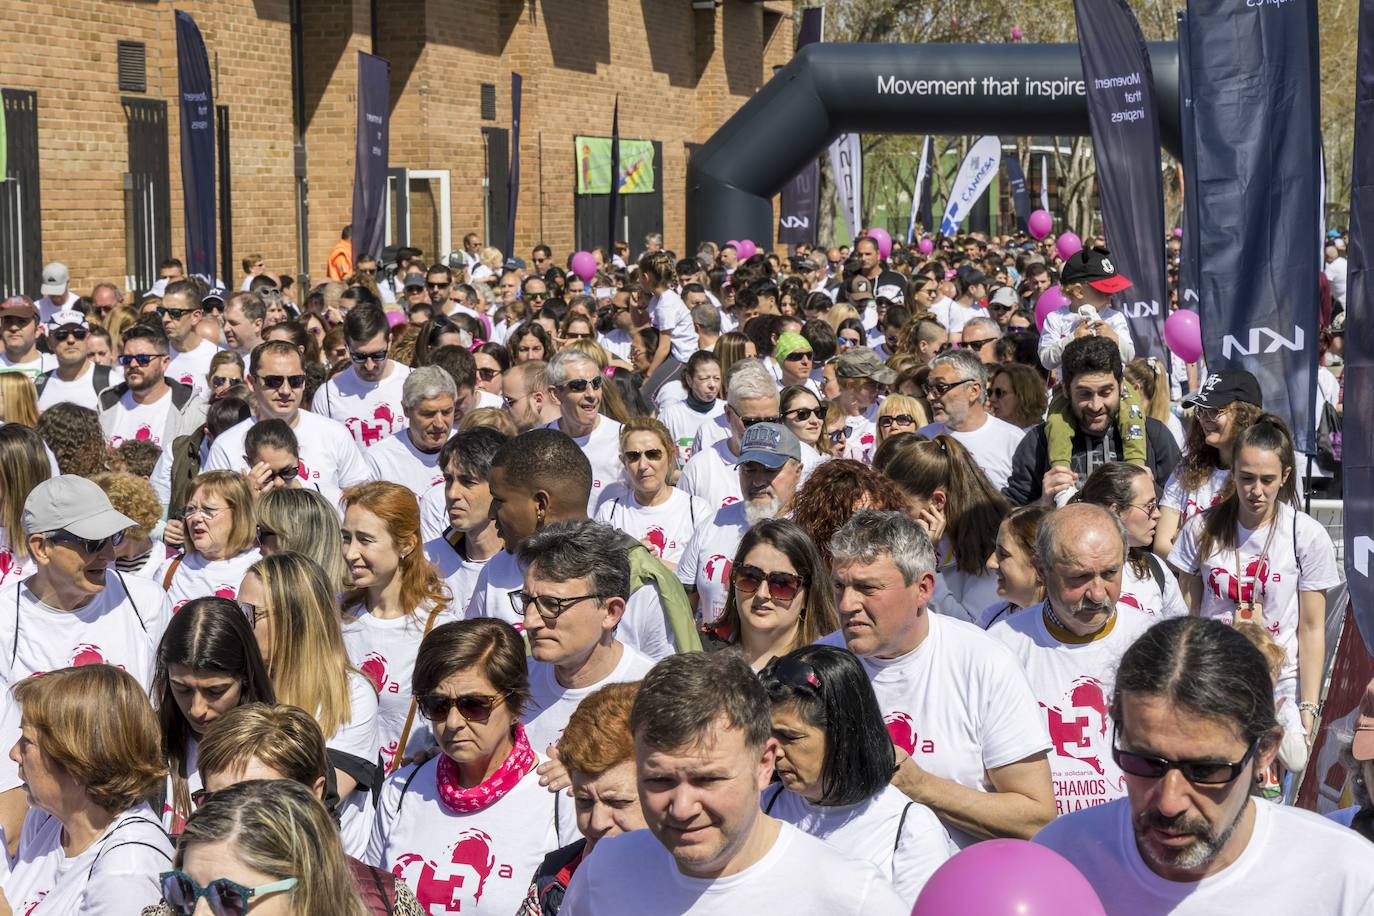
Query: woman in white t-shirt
{"x": 221, "y": 542}
{"x": 303, "y": 521}
{"x": 685, "y": 418}
{"x": 804, "y": 413}
{"x": 296, "y": 623}
{"x": 207, "y": 664}
{"x": 90, "y": 753}
{"x": 23, "y": 466}
{"x": 1255, "y": 557}
{"x": 835, "y": 764}
{"x": 660, "y": 515}
{"x": 395, "y": 597}
{"x": 1013, "y": 564}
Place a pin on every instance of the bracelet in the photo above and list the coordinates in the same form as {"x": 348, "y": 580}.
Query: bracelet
{"x": 1308, "y": 707}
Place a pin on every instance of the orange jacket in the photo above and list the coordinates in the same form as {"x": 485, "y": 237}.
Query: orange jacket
{"x": 341, "y": 260}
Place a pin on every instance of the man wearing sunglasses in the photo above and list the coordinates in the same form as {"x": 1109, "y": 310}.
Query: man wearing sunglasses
{"x": 19, "y": 332}
{"x": 956, "y": 391}
{"x": 527, "y": 396}
{"x": 1071, "y": 644}
{"x": 148, "y": 406}
{"x": 367, "y": 396}
{"x": 576, "y": 382}
{"x": 75, "y": 609}
{"x": 181, "y": 312}
{"x": 77, "y": 378}
{"x": 980, "y": 338}
{"x": 1193, "y": 728}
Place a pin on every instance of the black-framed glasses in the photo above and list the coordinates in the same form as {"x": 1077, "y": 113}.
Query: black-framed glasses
{"x": 549, "y": 607}
{"x": 175, "y": 314}
{"x": 977, "y": 344}
{"x": 896, "y": 419}
{"x": 285, "y": 474}
{"x": 89, "y": 545}
{"x": 781, "y": 586}
{"x": 802, "y": 414}
{"x": 376, "y": 356}
{"x": 838, "y": 435}
{"x": 754, "y": 421}
{"x": 437, "y": 285}
{"x": 579, "y": 385}
{"x": 792, "y": 673}
{"x": 940, "y": 389}
{"x": 578, "y": 335}
{"x": 225, "y": 897}
{"x": 128, "y": 359}
{"x": 473, "y": 707}
{"x": 1201, "y": 772}
{"x": 62, "y": 334}
{"x": 653, "y": 454}
{"x": 798, "y": 355}
{"x": 274, "y": 382}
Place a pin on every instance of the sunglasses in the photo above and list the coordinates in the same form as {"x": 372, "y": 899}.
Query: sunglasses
{"x": 837, "y": 436}
{"x": 377, "y": 356}
{"x": 473, "y": 707}
{"x": 1201, "y": 772}
{"x": 802, "y": 414}
{"x": 849, "y": 341}
{"x": 225, "y": 897}
{"x": 940, "y": 389}
{"x": 89, "y": 545}
{"x": 252, "y": 612}
{"x": 977, "y": 344}
{"x": 653, "y": 454}
{"x": 143, "y": 359}
{"x": 264, "y": 534}
{"x": 793, "y": 673}
{"x": 896, "y": 419}
{"x": 540, "y": 296}
{"x": 437, "y": 285}
{"x": 488, "y": 375}
{"x": 547, "y": 606}
{"x": 274, "y": 382}
{"x": 754, "y": 421}
{"x": 219, "y": 381}
{"x": 798, "y": 356}
{"x": 578, "y": 335}
{"x": 284, "y": 474}
{"x": 781, "y": 586}
{"x": 65, "y": 333}
{"x": 579, "y": 385}
{"x": 175, "y": 314}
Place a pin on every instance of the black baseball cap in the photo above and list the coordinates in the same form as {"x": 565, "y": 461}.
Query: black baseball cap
{"x": 1224, "y": 388}
{"x": 1094, "y": 267}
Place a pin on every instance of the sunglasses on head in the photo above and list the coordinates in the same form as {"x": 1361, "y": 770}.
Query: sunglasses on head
{"x": 1201, "y": 772}
{"x": 793, "y": 673}
{"x": 89, "y": 545}
{"x": 64, "y": 333}
{"x": 225, "y": 897}
{"x": 473, "y": 707}
{"x": 781, "y": 586}
{"x": 126, "y": 360}
{"x": 274, "y": 382}
{"x": 653, "y": 454}
{"x": 579, "y": 385}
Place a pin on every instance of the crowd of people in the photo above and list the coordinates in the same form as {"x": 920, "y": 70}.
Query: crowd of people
{"x": 690, "y": 584}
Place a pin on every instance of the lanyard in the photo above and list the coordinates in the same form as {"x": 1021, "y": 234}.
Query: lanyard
{"x": 1263, "y": 559}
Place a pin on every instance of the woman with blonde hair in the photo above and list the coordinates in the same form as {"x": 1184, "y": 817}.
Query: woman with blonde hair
{"x": 395, "y": 598}
{"x": 23, "y": 466}
{"x": 296, "y": 623}
{"x": 1149, "y": 375}
{"x": 302, "y": 521}
{"x": 493, "y": 417}
{"x": 841, "y": 313}
{"x": 219, "y": 546}
{"x": 731, "y": 347}
{"x": 900, "y": 414}
{"x": 18, "y": 399}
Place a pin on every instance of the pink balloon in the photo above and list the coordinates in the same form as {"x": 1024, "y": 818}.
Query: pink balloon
{"x": 1178, "y": 232}
{"x": 1049, "y": 301}
{"x": 1040, "y": 224}
{"x": 733, "y": 244}
{"x": 1015, "y": 33}
{"x": 746, "y": 249}
{"x": 1183, "y": 335}
{"x": 1068, "y": 245}
{"x": 925, "y": 245}
{"x": 1007, "y": 878}
{"x": 882, "y": 239}
{"x": 584, "y": 265}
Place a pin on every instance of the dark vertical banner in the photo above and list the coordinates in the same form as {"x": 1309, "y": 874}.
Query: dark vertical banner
{"x": 801, "y": 198}
{"x": 369, "y": 173}
{"x": 924, "y": 216}
{"x": 615, "y": 181}
{"x": 1357, "y": 444}
{"x": 197, "y": 148}
{"x": 1255, "y": 92}
{"x": 1020, "y": 197}
{"x": 1125, "y": 130}
{"x": 516, "y": 84}
{"x": 1190, "y": 253}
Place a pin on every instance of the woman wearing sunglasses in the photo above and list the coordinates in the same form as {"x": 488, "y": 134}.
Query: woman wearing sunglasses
{"x": 207, "y": 664}
{"x": 479, "y": 801}
{"x": 492, "y": 362}
{"x": 836, "y": 441}
{"x": 804, "y": 413}
{"x": 89, "y": 755}
{"x": 302, "y": 521}
{"x": 651, "y": 509}
{"x": 220, "y": 545}
{"x": 780, "y": 594}
{"x": 900, "y": 414}
{"x": 273, "y": 456}
{"x": 296, "y": 624}
{"x": 835, "y": 764}
{"x": 226, "y": 369}
{"x": 850, "y": 333}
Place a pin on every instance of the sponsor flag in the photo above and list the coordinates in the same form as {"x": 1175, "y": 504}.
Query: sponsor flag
{"x": 1020, "y": 198}
{"x": 1045, "y": 183}
{"x": 846, "y": 168}
{"x": 920, "y": 193}
{"x": 800, "y": 203}
{"x": 514, "y": 191}
{"x": 197, "y": 148}
{"x": 369, "y": 171}
{"x": 975, "y": 175}
{"x": 1188, "y": 266}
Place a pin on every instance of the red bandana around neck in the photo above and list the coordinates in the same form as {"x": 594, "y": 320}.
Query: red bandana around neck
{"x": 467, "y": 801}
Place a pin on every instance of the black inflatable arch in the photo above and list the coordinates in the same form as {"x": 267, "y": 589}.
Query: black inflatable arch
{"x": 830, "y": 89}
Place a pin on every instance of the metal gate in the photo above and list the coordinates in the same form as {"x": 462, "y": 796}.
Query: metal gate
{"x": 147, "y": 192}
{"x": 21, "y": 235}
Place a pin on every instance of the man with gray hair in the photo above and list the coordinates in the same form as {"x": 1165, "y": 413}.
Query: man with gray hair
{"x": 576, "y": 381}
{"x": 971, "y": 738}
{"x": 1070, "y": 645}
{"x": 956, "y": 391}
{"x": 980, "y": 338}
{"x": 411, "y": 456}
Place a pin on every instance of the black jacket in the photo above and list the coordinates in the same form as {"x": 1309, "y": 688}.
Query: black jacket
{"x": 1032, "y": 459}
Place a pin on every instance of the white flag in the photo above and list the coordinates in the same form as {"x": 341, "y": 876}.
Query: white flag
{"x": 1045, "y": 183}
{"x": 977, "y": 172}
{"x": 916, "y": 190}
{"x": 846, "y": 167}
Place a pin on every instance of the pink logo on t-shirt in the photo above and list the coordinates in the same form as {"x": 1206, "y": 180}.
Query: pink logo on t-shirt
{"x": 31, "y": 905}
{"x": 87, "y": 654}
{"x": 302, "y": 471}
{"x": 144, "y": 433}
{"x": 902, "y": 730}
{"x": 728, "y": 500}
{"x": 658, "y": 539}
{"x": 450, "y": 886}
{"x": 1224, "y": 584}
{"x": 226, "y": 591}
{"x": 721, "y": 562}
{"x": 1078, "y": 725}
{"x": 374, "y": 668}
{"x": 188, "y": 380}
{"x": 372, "y": 433}
{"x": 1132, "y": 601}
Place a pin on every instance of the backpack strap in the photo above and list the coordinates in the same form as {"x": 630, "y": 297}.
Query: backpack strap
{"x": 1156, "y": 570}
{"x": 410, "y": 715}
{"x": 405, "y": 787}
{"x": 100, "y": 378}
{"x": 42, "y": 382}
{"x": 900, "y": 824}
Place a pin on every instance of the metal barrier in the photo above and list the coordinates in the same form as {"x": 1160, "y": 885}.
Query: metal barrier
{"x": 1331, "y": 513}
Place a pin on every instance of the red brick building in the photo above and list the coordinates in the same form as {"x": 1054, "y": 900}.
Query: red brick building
{"x": 90, "y": 91}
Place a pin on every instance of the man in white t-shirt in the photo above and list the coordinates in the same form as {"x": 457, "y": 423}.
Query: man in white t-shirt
{"x": 411, "y": 456}
{"x": 365, "y": 397}
{"x": 467, "y": 538}
{"x": 77, "y": 378}
{"x": 56, "y": 290}
{"x": 704, "y": 750}
{"x": 576, "y": 381}
{"x": 244, "y": 317}
{"x": 19, "y": 333}
{"x": 191, "y": 354}
{"x": 1193, "y": 725}
{"x": 957, "y": 393}
{"x": 528, "y": 399}
{"x": 147, "y": 406}
{"x": 1071, "y": 644}
{"x": 971, "y": 738}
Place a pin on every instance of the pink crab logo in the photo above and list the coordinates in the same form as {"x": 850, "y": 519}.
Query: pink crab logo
{"x": 452, "y": 885}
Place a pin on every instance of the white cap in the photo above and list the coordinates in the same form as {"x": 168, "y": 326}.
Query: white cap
{"x": 67, "y": 316}
{"x": 55, "y": 279}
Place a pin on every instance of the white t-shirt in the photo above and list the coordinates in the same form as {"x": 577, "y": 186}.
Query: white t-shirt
{"x": 80, "y": 390}
{"x": 666, "y": 527}
{"x": 197, "y": 577}
{"x": 397, "y": 459}
{"x": 1188, "y": 503}
{"x": 13, "y": 568}
{"x": 453, "y": 566}
{"x": 114, "y": 876}
{"x": 958, "y": 703}
{"x": 144, "y": 422}
{"x": 1144, "y": 594}
{"x": 992, "y": 445}
{"x": 1073, "y": 684}
{"x": 1274, "y": 579}
{"x": 861, "y": 435}
{"x": 357, "y": 737}
{"x": 953, "y": 315}
{"x": 669, "y": 393}
{"x": 670, "y": 315}
{"x": 712, "y": 474}
{"x": 1059, "y": 327}
{"x": 799, "y": 874}
{"x": 707, "y": 559}
{"x": 33, "y": 368}
{"x": 617, "y": 343}
{"x": 48, "y": 308}
{"x": 685, "y": 423}
{"x": 551, "y": 704}
{"x": 190, "y": 367}
{"x": 370, "y": 411}
{"x": 330, "y": 459}
{"x": 384, "y": 651}
{"x": 433, "y": 514}
{"x": 903, "y": 838}
{"x": 602, "y": 448}
{"x": 479, "y": 864}
{"x": 1295, "y": 862}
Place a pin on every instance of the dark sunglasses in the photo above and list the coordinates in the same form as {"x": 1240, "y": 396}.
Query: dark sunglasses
{"x": 536, "y": 295}
{"x": 791, "y": 672}
{"x": 798, "y": 356}
{"x": 219, "y": 381}
{"x": 781, "y": 586}
{"x": 1201, "y": 772}
{"x": 358, "y": 356}
{"x": 225, "y": 897}
{"x": 437, "y": 285}
{"x": 488, "y": 375}
{"x": 802, "y": 414}
{"x": 473, "y": 707}
{"x": 653, "y": 454}
{"x": 940, "y": 389}
{"x": 274, "y": 382}
{"x": 896, "y": 419}
{"x": 175, "y": 314}
{"x": 578, "y": 335}
{"x": 977, "y": 344}
{"x": 838, "y": 435}
{"x": 89, "y": 545}
{"x": 252, "y": 612}
{"x": 142, "y": 359}
{"x": 754, "y": 421}
{"x": 64, "y": 333}
{"x": 579, "y": 385}
{"x": 290, "y": 472}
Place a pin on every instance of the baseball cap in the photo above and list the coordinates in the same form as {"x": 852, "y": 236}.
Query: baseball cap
{"x": 859, "y": 289}
{"x": 1363, "y": 746}
{"x": 18, "y": 307}
{"x": 55, "y": 279}
{"x": 1005, "y": 296}
{"x": 1094, "y": 267}
{"x": 1226, "y": 387}
{"x": 769, "y": 444}
{"x": 515, "y": 263}
{"x": 66, "y": 316}
{"x": 413, "y": 281}
{"x": 789, "y": 343}
{"x": 804, "y": 265}
{"x": 71, "y": 503}
{"x": 863, "y": 362}
{"x": 216, "y": 294}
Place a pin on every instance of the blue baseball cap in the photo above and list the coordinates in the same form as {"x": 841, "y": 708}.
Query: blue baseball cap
{"x": 769, "y": 444}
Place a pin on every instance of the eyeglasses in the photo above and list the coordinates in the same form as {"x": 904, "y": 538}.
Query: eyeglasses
{"x": 781, "y": 586}
{"x": 539, "y": 296}
{"x": 376, "y": 356}
{"x": 1208, "y": 413}
{"x": 578, "y": 335}
{"x": 143, "y": 359}
{"x": 284, "y": 474}
{"x": 488, "y": 375}
{"x": 848, "y": 342}
{"x": 837, "y": 435}
{"x": 473, "y": 707}
{"x": 1201, "y": 772}
{"x": 274, "y": 382}
{"x": 547, "y": 606}
{"x": 89, "y": 545}
{"x": 896, "y": 419}
{"x": 653, "y": 454}
{"x": 65, "y": 333}
{"x": 940, "y": 389}
{"x": 977, "y": 344}
{"x": 793, "y": 673}
{"x": 438, "y": 285}
{"x": 994, "y": 393}
{"x": 754, "y": 421}
{"x": 175, "y": 314}
{"x": 225, "y": 897}
{"x": 1149, "y": 508}
{"x": 579, "y": 385}
{"x": 264, "y": 534}
{"x": 191, "y": 512}
{"x": 219, "y": 381}
{"x": 798, "y": 356}
{"x": 802, "y": 414}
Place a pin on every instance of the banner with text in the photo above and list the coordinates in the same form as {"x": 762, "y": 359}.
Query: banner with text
{"x": 1020, "y": 198}
{"x": 1256, "y": 100}
{"x": 920, "y": 193}
{"x": 594, "y": 165}
{"x": 197, "y": 149}
{"x": 369, "y": 171}
{"x": 799, "y": 206}
{"x": 975, "y": 175}
{"x": 847, "y": 170}
{"x": 1125, "y": 130}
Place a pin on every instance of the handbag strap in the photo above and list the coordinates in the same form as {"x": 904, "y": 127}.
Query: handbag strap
{"x": 171, "y": 571}
{"x": 410, "y": 714}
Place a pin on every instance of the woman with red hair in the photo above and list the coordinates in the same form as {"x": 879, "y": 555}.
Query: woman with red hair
{"x": 836, "y": 490}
